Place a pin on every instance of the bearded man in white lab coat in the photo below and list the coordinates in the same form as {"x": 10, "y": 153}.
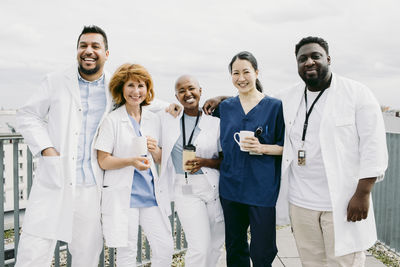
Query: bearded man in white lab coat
{"x": 59, "y": 123}
{"x": 335, "y": 150}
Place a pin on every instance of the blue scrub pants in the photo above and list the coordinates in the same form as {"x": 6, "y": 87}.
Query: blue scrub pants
{"x": 238, "y": 217}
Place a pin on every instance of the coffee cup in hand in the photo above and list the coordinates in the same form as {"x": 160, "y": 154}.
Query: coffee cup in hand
{"x": 140, "y": 145}
{"x": 242, "y": 135}
{"x": 187, "y": 155}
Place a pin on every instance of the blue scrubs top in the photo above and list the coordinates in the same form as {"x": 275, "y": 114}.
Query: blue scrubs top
{"x": 245, "y": 178}
{"x": 142, "y": 194}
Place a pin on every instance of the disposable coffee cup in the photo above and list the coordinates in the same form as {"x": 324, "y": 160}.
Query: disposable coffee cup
{"x": 140, "y": 145}
{"x": 187, "y": 155}
{"x": 242, "y": 135}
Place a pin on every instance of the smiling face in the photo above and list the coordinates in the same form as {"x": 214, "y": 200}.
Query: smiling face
{"x": 134, "y": 92}
{"x": 244, "y": 76}
{"x": 91, "y": 55}
{"x": 313, "y": 66}
{"x": 188, "y": 92}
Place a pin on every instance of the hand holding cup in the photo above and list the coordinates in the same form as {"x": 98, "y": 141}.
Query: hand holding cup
{"x": 152, "y": 145}
{"x": 252, "y": 144}
{"x": 194, "y": 165}
{"x": 141, "y": 163}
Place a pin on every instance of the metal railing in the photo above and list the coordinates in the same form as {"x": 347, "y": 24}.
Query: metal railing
{"x": 386, "y": 197}
{"x": 61, "y": 255}
{"x": 11, "y": 140}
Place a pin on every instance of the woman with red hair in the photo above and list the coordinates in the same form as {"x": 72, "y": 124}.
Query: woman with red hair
{"x": 132, "y": 193}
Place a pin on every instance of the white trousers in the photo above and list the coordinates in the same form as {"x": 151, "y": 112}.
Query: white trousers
{"x": 157, "y": 233}
{"x": 315, "y": 239}
{"x": 87, "y": 240}
{"x": 202, "y": 220}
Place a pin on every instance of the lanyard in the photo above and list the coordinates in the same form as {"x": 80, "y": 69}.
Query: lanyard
{"x": 184, "y": 132}
{"x": 303, "y": 138}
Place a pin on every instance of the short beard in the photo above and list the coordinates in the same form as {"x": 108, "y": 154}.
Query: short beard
{"x": 312, "y": 82}
{"x": 317, "y": 82}
{"x": 88, "y": 72}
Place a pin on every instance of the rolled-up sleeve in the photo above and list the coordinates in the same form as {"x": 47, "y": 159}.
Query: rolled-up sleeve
{"x": 106, "y": 137}
{"x": 372, "y": 137}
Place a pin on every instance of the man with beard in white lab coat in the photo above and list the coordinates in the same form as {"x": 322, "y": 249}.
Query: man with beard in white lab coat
{"x": 59, "y": 123}
{"x": 335, "y": 151}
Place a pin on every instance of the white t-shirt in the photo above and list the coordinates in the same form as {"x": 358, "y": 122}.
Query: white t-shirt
{"x": 308, "y": 185}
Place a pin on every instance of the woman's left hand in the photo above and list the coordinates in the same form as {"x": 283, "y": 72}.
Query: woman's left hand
{"x": 252, "y": 144}
{"x": 195, "y": 164}
{"x": 154, "y": 149}
{"x": 152, "y": 144}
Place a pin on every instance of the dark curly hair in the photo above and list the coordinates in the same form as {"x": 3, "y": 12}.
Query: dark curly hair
{"x": 312, "y": 40}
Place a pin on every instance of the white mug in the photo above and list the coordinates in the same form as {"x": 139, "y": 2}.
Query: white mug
{"x": 140, "y": 145}
{"x": 242, "y": 135}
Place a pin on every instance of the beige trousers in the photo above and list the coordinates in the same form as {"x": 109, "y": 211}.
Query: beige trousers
{"x": 315, "y": 239}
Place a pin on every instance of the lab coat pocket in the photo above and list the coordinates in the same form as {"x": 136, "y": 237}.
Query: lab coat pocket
{"x": 114, "y": 209}
{"x": 114, "y": 199}
{"x": 50, "y": 172}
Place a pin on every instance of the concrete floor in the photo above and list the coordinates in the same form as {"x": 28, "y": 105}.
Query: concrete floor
{"x": 287, "y": 252}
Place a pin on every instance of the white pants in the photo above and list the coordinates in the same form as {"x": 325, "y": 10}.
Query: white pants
{"x": 202, "y": 220}
{"x": 315, "y": 239}
{"x": 87, "y": 240}
{"x": 157, "y": 233}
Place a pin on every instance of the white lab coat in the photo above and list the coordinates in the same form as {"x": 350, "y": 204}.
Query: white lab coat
{"x": 52, "y": 117}
{"x": 206, "y": 145}
{"x": 353, "y": 146}
{"x": 117, "y": 132}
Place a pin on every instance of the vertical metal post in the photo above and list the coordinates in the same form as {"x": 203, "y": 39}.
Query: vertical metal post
{"x": 16, "y": 196}
{"x": 184, "y": 241}
{"x": 69, "y": 258}
{"x": 147, "y": 249}
{"x": 57, "y": 255}
{"x": 139, "y": 246}
{"x": 172, "y": 218}
{"x": 178, "y": 234}
{"x": 1, "y": 203}
{"x": 111, "y": 253}
{"x": 102, "y": 258}
{"x": 29, "y": 169}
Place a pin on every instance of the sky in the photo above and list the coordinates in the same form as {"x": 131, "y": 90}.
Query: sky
{"x": 172, "y": 38}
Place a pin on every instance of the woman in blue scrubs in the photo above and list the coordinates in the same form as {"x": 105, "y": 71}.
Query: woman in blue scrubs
{"x": 249, "y": 183}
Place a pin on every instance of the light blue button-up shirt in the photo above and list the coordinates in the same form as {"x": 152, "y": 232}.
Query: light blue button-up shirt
{"x": 93, "y": 101}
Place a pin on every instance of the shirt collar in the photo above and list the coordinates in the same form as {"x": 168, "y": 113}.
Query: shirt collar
{"x": 99, "y": 80}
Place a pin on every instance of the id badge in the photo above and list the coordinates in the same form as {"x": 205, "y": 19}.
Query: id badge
{"x": 187, "y": 189}
{"x": 301, "y": 157}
